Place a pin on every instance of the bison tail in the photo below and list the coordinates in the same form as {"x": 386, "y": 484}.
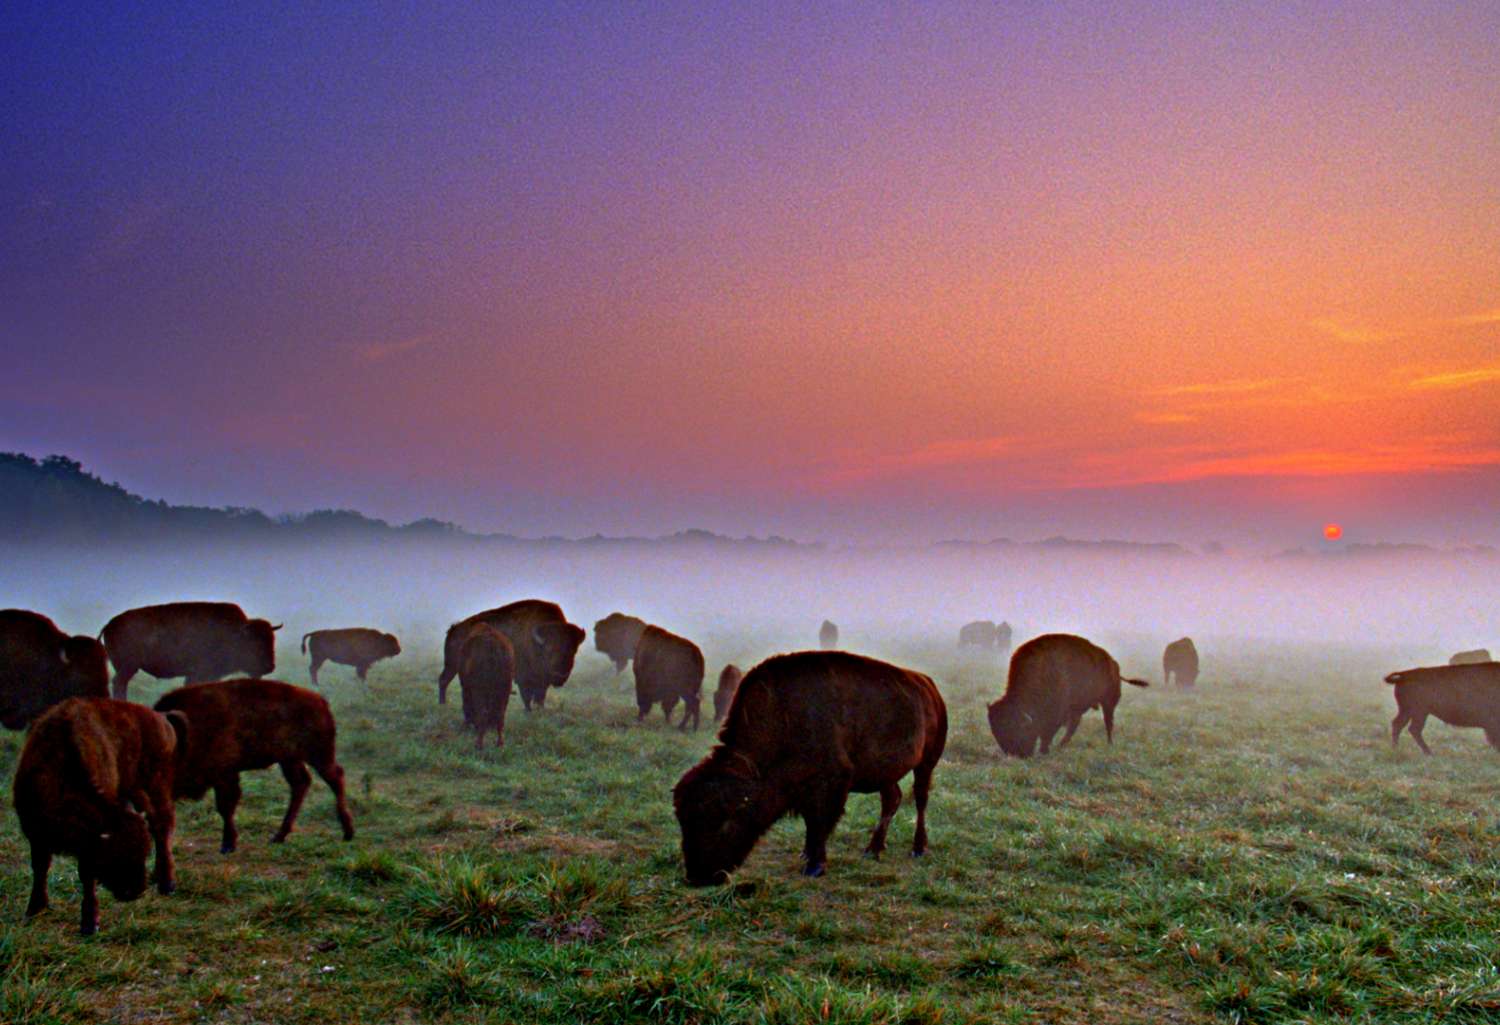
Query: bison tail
{"x": 304, "y": 642}
{"x": 1135, "y": 682}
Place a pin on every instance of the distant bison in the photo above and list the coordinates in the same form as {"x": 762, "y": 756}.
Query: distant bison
{"x": 545, "y": 645}
{"x": 486, "y": 670}
{"x": 242, "y": 725}
{"x": 828, "y": 635}
{"x": 1054, "y": 680}
{"x": 804, "y": 731}
{"x": 616, "y": 635}
{"x": 40, "y": 666}
{"x": 668, "y": 669}
{"x": 729, "y": 682}
{"x": 1002, "y": 638}
{"x": 978, "y": 634}
{"x": 199, "y": 640}
{"x": 88, "y": 765}
{"x": 1179, "y": 663}
{"x": 1469, "y": 658}
{"x": 1462, "y": 695}
{"x": 355, "y": 646}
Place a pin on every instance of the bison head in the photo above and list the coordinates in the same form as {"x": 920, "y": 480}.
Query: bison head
{"x": 120, "y": 853}
{"x": 722, "y": 814}
{"x": 1014, "y": 728}
{"x": 389, "y": 646}
{"x": 258, "y": 653}
{"x": 557, "y": 645}
{"x": 87, "y": 669}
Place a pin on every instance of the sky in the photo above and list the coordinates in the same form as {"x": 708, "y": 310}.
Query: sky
{"x": 841, "y": 272}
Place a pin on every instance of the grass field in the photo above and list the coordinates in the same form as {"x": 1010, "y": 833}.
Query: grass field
{"x": 1252, "y": 852}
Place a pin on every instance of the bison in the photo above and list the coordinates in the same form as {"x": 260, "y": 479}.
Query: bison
{"x": 729, "y": 682}
{"x": 199, "y": 640}
{"x": 1469, "y": 658}
{"x": 40, "y": 666}
{"x": 486, "y": 669}
{"x": 978, "y": 634}
{"x": 355, "y": 646}
{"x": 88, "y": 764}
{"x": 545, "y": 645}
{"x": 1002, "y": 639}
{"x": 668, "y": 669}
{"x": 806, "y": 730}
{"x": 1179, "y": 663}
{"x": 1054, "y": 680}
{"x": 828, "y": 635}
{"x": 1463, "y": 695}
{"x": 616, "y": 635}
{"x": 238, "y": 726}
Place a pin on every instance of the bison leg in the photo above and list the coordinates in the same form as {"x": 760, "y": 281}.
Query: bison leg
{"x": 445, "y": 678}
{"x": 1418, "y": 723}
{"x": 226, "y": 800}
{"x": 312, "y": 670}
{"x": 643, "y": 708}
{"x": 88, "y": 914}
{"x": 1068, "y": 733}
{"x": 1397, "y": 724}
{"x": 890, "y": 800}
{"x": 821, "y": 811}
{"x": 41, "y": 861}
{"x": 120, "y": 685}
{"x": 921, "y": 783}
{"x": 689, "y": 708}
{"x": 1109, "y": 723}
{"x": 333, "y": 775}
{"x": 299, "y": 779}
{"x": 666, "y": 710}
{"x": 162, "y": 818}
{"x": 361, "y": 669}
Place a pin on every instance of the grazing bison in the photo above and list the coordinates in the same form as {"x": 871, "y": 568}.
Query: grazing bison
{"x": 355, "y": 646}
{"x": 729, "y": 682}
{"x": 486, "y": 669}
{"x": 978, "y": 634}
{"x": 1179, "y": 663}
{"x": 1463, "y": 695}
{"x": 805, "y": 731}
{"x": 88, "y": 764}
{"x": 545, "y": 645}
{"x": 1054, "y": 680}
{"x": 40, "y": 666}
{"x": 668, "y": 669}
{"x": 616, "y": 635}
{"x": 828, "y": 635}
{"x": 200, "y": 640}
{"x": 238, "y": 726}
{"x": 1469, "y": 658}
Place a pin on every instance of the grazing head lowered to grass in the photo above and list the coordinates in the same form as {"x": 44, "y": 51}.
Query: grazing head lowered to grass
{"x": 804, "y": 731}
{"x": 1461, "y": 695}
{"x": 1054, "y": 680}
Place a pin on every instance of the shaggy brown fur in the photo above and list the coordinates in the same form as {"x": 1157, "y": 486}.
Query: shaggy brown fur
{"x": 1463, "y": 695}
{"x": 40, "y": 666}
{"x": 486, "y": 669}
{"x": 729, "y": 682}
{"x": 616, "y": 635}
{"x": 804, "y": 731}
{"x": 242, "y": 725}
{"x": 355, "y": 646}
{"x": 668, "y": 669}
{"x": 1054, "y": 680}
{"x": 85, "y": 763}
{"x": 199, "y": 640}
{"x": 1179, "y": 663}
{"x": 545, "y": 644}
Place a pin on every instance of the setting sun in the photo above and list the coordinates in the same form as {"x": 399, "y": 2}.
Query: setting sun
{"x": 1332, "y": 531}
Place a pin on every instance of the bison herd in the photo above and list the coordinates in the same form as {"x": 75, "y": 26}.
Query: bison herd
{"x": 98, "y": 776}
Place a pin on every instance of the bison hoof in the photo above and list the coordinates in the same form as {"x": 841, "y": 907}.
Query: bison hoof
{"x": 812, "y": 871}
{"x": 919, "y": 854}
{"x": 88, "y": 928}
{"x": 167, "y": 889}
{"x": 226, "y": 848}
{"x": 279, "y": 838}
{"x": 872, "y": 853}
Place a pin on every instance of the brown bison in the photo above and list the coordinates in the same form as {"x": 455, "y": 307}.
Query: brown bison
{"x": 486, "y": 669}
{"x": 199, "y": 640}
{"x": 88, "y": 764}
{"x": 545, "y": 645}
{"x": 1464, "y": 695}
{"x": 668, "y": 669}
{"x": 40, "y": 666}
{"x": 1054, "y": 680}
{"x": 804, "y": 731}
{"x": 616, "y": 635}
{"x": 729, "y": 682}
{"x": 238, "y": 726}
{"x": 1002, "y": 638}
{"x": 828, "y": 635}
{"x": 1179, "y": 663}
{"x": 978, "y": 634}
{"x": 355, "y": 646}
{"x": 1469, "y": 658}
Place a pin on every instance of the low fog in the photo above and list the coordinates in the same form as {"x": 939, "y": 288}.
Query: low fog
{"x": 746, "y": 602}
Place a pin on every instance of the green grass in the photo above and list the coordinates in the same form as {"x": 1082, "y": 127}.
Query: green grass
{"x": 1252, "y": 852}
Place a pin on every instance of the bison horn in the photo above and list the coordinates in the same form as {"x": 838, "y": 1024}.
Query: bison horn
{"x": 104, "y": 836}
{"x": 62, "y": 653}
{"x": 536, "y": 637}
{"x": 278, "y": 626}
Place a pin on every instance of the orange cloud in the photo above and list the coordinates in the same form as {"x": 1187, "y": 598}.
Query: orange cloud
{"x": 1351, "y": 335}
{"x": 1237, "y": 387}
{"x": 1459, "y": 378}
{"x": 1165, "y": 418}
{"x": 1492, "y": 317}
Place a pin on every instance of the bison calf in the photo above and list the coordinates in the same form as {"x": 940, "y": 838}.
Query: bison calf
{"x": 1179, "y": 663}
{"x": 241, "y": 725}
{"x": 1054, "y": 680}
{"x": 806, "y": 730}
{"x": 729, "y": 682}
{"x": 86, "y": 762}
{"x": 668, "y": 669}
{"x": 486, "y": 669}
{"x": 1462, "y": 695}
{"x": 40, "y": 666}
{"x": 355, "y": 646}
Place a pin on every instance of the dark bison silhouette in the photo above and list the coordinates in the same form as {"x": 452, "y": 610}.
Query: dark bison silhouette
{"x": 199, "y": 640}
{"x": 668, "y": 669}
{"x": 486, "y": 670}
{"x": 1179, "y": 663}
{"x": 1054, "y": 680}
{"x": 729, "y": 682}
{"x": 40, "y": 666}
{"x": 355, "y": 646}
{"x": 828, "y": 635}
{"x": 545, "y": 645}
{"x": 616, "y": 635}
